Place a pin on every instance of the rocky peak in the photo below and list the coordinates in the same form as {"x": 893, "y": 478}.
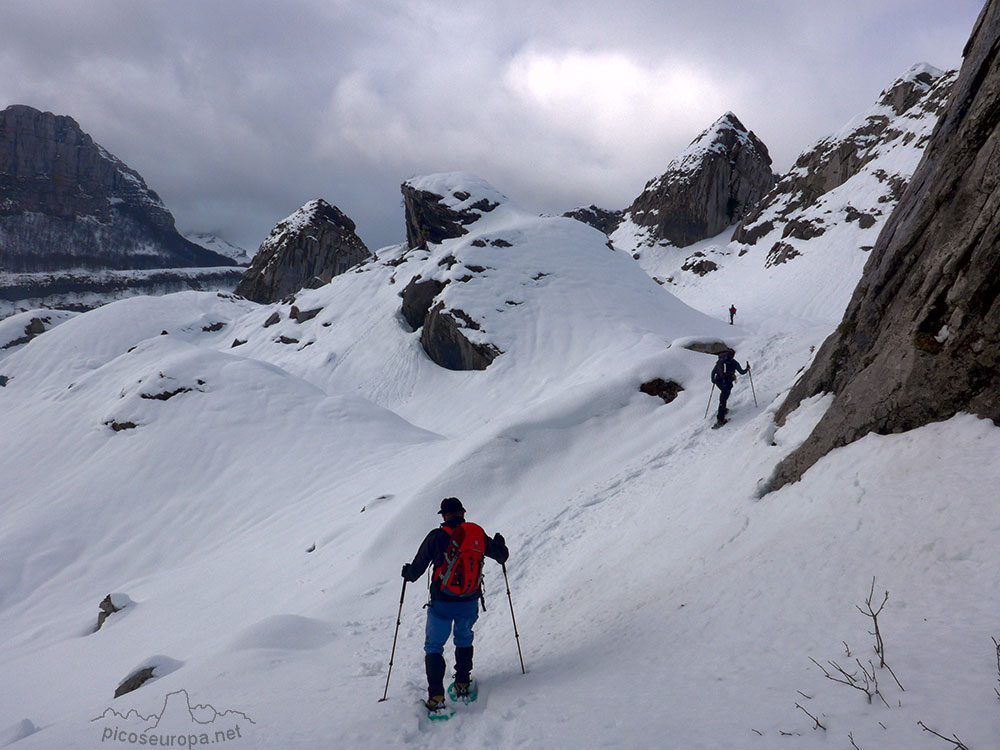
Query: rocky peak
{"x": 910, "y": 88}
{"x": 66, "y": 202}
{"x": 440, "y": 206}
{"x": 920, "y": 340}
{"x": 308, "y": 248}
{"x": 710, "y": 186}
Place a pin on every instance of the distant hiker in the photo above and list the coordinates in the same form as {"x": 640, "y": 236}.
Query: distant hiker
{"x": 732, "y": 313}
{"x": 724, "y": 375}
{"x": 456, "y": 550}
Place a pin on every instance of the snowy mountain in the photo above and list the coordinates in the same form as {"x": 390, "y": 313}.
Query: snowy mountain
{"x": 220, "y": 246}
{"x": 820, "y": 220}
{"x": 67, "y": 204}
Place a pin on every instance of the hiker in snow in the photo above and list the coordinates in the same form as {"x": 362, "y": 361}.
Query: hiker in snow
{"x": 456, "y": 550}
{"x": 732, "y": 313}
{"x": 724, "y": 375}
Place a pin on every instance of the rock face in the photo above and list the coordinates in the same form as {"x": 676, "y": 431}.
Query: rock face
{"x": 723, "y": 173}
{"x": 440, "y": 207}
{"x": 920, "y": 340}
{"x": 308, "y": 248}
{"x": 600, "y": 219}
{"x": 882, "y": 145}
{"x": 66, "y": 203}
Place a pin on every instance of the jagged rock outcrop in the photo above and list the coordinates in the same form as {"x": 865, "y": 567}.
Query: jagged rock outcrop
{"x": 897, "y": 127}
{"x": 723, "y": 173}
{"x": 920, "y": 340}
{"x": 440, "y": 206}
{"x": 599, "y": 218}
{"x": 66, "y": 203}
{"x": 310, "y": 247}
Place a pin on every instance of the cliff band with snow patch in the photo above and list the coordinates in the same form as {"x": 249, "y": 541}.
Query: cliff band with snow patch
{"x": 66, "y": 203}
{"x": 920, "y": 340}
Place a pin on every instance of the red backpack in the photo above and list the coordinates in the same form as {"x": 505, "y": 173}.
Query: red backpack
{"x": 461, "y": 571}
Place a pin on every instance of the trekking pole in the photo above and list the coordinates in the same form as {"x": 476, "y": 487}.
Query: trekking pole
{"x": 392, "y": 656}
{"x": 751, "y": 385}
{"x": 710, "y": 394}
{"x": 517, "y": 637}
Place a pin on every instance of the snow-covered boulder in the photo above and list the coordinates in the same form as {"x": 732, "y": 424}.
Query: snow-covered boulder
{"x": 440, "y": 206}
{"x": 469, "y": 295}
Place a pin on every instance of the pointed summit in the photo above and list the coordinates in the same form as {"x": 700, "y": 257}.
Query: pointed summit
{"x": 708, "y": 187}
{"x": 310, "y": 247}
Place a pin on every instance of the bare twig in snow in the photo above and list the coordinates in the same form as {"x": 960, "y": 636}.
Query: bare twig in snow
{"x": 997, "y": 644}
{"x": 756, "y": 731}
{"x": 807, "y": 697}
{"x": 959, "y": 745}
{"x": 874, "y": 613}
{"x": 847, "y": 649}
{"x": 818, "y": 725}
{"x": 850, "y": 736}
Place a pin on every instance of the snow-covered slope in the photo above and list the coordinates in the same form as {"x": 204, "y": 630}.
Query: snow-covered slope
{"x": 248, "y": 490}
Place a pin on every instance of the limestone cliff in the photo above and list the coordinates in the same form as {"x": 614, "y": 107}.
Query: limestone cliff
{"x": 920, "y": 340}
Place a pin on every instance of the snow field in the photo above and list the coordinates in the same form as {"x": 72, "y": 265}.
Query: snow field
{"x": 257, "y": 518}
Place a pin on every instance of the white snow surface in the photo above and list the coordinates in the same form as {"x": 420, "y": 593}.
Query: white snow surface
{"x": 255, "y": 518}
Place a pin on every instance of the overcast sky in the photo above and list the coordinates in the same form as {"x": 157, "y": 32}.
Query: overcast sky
{"x": 239, "y": 111}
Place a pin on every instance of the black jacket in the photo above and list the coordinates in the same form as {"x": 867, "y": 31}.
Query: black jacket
{"x": 724, "y": 372}
{"x": 432, "y": 551}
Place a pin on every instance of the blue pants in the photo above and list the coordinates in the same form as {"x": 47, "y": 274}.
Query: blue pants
{"x": 441, "y": 616}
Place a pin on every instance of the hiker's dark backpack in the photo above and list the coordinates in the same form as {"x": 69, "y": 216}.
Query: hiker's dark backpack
{"x": 719, "y": 372}
{"x": 461, "y": 571}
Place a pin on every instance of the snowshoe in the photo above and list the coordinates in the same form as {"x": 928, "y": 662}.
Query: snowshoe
{"x": 463, "y": 692}
{"x": 438, "y": 709}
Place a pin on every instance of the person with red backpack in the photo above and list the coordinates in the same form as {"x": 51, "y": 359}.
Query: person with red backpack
{"x": 456, "y": 550}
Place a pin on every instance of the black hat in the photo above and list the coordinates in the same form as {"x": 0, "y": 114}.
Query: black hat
{"x": 451, "y": 505}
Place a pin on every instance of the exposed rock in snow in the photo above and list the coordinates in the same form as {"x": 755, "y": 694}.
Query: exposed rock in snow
{"x": 723, "y": 173}
{"x": 308, "y": 248}
{"x": 920, "y": 340}
{"x": 440, "y": 206}
{"x": 66, "y": 203}
{"x": 599, "y": 218}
